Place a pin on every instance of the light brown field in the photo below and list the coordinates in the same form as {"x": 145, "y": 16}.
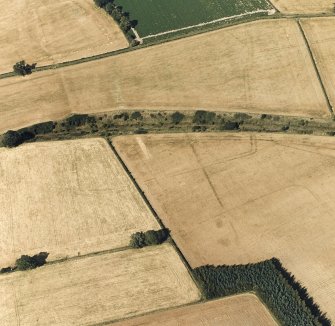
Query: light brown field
{"x": 320, "y": 33}
{"x": 66, "y": 197}
{"x": 45, "y": 31}
{"x": 237, "y": 198}
{"x": 304, "y": 6}
{"x": 239, "y": 310}
{"x": 262, "y": 67}
{"x": 97, "y": 289}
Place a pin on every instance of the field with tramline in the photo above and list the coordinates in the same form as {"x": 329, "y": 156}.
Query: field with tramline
{"x": 97, "y": 289}
{"x": 66, "y": 198}
{"x": 239, "y": 310}
{"x": 242, "y": 198}
{"x": 161, "y": 16}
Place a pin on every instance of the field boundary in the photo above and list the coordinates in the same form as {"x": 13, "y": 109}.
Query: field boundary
{"x": 330, "y": 107}
{"x": 153, "y": 211}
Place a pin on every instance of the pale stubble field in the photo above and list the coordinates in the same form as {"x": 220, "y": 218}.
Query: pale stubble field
{"x": 239, "y": 310}
{"x": 237, "y": 198}
{"x": 46, "y": 32}
{"x": 66, "y": 198}
{"x": 97, "y": 289}
{"x": 261, "y": 67}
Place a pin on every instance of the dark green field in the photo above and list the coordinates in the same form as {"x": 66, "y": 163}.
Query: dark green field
{"x": 160, "y": 16}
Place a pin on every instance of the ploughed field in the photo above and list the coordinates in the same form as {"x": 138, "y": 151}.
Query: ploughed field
{"x": 161, "y": 16}
{"x": 261, "y": 67}
{"x": 237, "y": 198}
{"x": 304, "y": 6}
{"x": 97, "y": 289}
{"x": 239, "y": 310}
{"x": 54, "y": 31}
{"x": 66, "y": 198}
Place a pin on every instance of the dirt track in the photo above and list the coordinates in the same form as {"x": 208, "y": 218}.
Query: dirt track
{"x": 261, "y": 67}
{"x": 244, "y": 197}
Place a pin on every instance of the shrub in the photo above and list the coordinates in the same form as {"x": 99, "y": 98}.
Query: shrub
{"x": 102, "y": 3}
{"x": 21, "y": 68}
{"x": 30, "y": 262}
{"x": 80, "y": 120}
{"x": 12, "y": 139}
{"x": 136, "y": 115}
{"x": 230, "y": 125}
{"x": 204, "y": 117}
{"x": 177, "y": 117}
{"x": 149, "y": 238}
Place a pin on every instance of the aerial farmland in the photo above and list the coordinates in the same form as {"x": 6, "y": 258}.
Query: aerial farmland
{"x": 167, "y": 162}
{"x": 47, "y": 32}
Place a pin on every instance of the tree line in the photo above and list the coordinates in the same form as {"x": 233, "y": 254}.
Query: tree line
{"x": 121, "y": 17}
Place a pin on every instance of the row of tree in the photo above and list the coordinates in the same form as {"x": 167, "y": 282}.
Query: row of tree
{"x": 121, "y": 17}
{"x": 276, "y": 287}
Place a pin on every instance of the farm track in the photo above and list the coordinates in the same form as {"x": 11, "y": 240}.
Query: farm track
{"x": 125, "y": 50}
{"x": 330, "y": 107}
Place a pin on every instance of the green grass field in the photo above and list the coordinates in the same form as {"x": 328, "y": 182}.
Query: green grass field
{"x": 160, "y": 16}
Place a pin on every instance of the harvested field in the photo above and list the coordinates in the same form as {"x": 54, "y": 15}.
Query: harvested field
{"x": 46, "y": 32}
{"x": 239, "y": 310}
{"x": 66, "y": 197}
{"x": 160, "y": 16}
{"x": 237, "y": 198}
{"x": 304, "y": 6}
{"x": 97, "y": 289}
{"x": 320, "y": 33}
{"x": 261, "y": 67}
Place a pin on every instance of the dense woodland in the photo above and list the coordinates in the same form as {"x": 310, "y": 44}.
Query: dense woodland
{"x": 276, "y": 287}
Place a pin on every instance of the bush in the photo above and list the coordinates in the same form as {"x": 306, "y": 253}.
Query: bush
{"x": 80, "y": 120}
{"x": 230, "y": 125}
{"x": 149, "y": 238}
{"x": 102, "y": 3}
{"x": 177, "y": 117}
{"x": 204, "y": 117}
{"x": 12, "y": 139}
{"x": 285, "y": 297}
{"x": 136, "y": 115}
{"x": 26, "y": 262}
{"x": 21, "y": 68}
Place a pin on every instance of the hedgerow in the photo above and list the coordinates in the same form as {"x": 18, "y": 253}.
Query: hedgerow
{"x": 121, "y": 17}
{"x": 276, "y": 287}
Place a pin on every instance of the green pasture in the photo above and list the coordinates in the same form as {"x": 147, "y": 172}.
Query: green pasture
{"x": 158, "y": 16}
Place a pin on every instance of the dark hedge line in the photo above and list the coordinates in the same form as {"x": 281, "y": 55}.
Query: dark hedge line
{"x": 121, "y": 17}
{"x": 276, "y": 287}
{"x": 15, "y": 138}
